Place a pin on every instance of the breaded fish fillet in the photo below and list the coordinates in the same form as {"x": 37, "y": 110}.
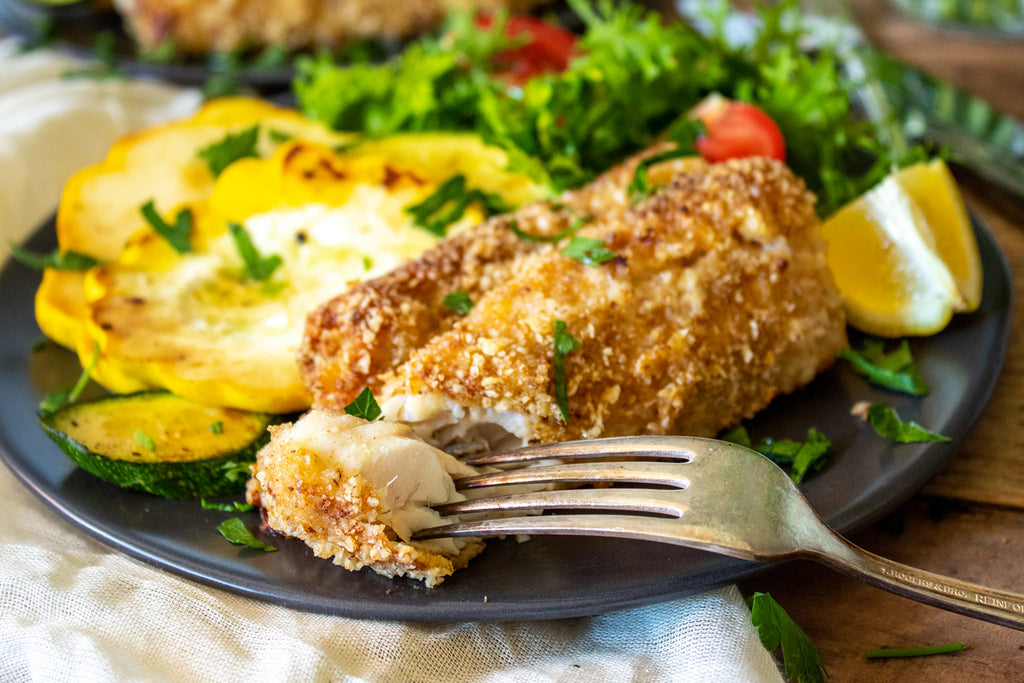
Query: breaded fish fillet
{"x": 717, "y": 299}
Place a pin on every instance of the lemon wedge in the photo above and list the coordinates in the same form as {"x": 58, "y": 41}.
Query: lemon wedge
{"x": 904, "y": 255}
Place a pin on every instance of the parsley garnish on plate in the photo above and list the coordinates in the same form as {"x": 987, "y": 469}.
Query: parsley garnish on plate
{"x": 565, "y": 343}
{"x": 68, "y": 260}
{"x": 233, "y": 506}
{"x": 176, "y": 235}
{"x": 256, "y": 266}
{"x": 886, "y": 422}
{"x": 801, "y": 457}
{"x": 893, "y": 370}
{"x": 229, "y": 149}
{"x": 51, "y": 403}
{"x": 777, "y": 629}
{"x": 364, "y": 406}
{"x": 234, "y": 530}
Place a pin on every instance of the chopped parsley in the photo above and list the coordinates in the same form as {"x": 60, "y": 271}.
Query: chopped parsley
{"x": 448, "y": 204}
{"x": 893, "y": 370}
{"x": 588, "y": 250}
{"x": 565, "y": 343}
{"x": 887, "y": 423}
{"x": 364, "y": 406}
{"x": 145, "y": 440}
{"x": 234, "y": 530}
{"x": 458, "y": 302}
{"x": 51, "y": 403}
{"x": 570, "y": 229}
{"x": 176, "y": 235}
{"x": 685, "y": 135}
{"x": 229, "y": 149}
{"x": 233, "y": 506}
{"x": 217, "y": 427}
{"x": 254, "y": 265}
{"x": 889, "y": 652}
{"x": 801, "y": 457}
{"x": 777, "y": 629}
{"x": 68, "y": 260}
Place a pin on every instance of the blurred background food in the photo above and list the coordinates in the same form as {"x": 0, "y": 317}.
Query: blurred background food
{"x": 200, "y": 26}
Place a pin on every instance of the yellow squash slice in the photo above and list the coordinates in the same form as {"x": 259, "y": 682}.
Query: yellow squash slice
{"x": 99, "y": 207}
{"x": 197, "y": 324}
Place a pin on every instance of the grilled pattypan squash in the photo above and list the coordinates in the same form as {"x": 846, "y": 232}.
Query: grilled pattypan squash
{"x": 203, "y": 323}
{"x": 99, "y": 207}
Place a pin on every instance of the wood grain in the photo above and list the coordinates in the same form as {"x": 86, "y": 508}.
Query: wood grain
{"x": 980, "y": 538}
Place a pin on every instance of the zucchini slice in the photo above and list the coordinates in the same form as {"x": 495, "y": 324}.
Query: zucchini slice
{"x": 160, "y": 443}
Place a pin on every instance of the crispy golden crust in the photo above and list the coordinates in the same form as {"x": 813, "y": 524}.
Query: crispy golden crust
{"x": 373, "y": 327}
{"x": 718, "y": 300}
{"x": 199, "y": 26}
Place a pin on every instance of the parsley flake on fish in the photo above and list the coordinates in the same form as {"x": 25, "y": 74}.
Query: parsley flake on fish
{"x": 364, "y": 406}
{"x": 565, "y": 343}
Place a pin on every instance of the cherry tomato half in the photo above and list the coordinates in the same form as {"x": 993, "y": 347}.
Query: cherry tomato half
{"x": 737, "y": 129}
{"x": 548, "y": 48}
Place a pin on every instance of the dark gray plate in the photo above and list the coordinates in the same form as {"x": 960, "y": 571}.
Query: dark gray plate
{"x": 545, "y": 577}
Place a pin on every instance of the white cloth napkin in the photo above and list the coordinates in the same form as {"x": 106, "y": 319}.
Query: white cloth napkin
{"x": 73, "y": 610}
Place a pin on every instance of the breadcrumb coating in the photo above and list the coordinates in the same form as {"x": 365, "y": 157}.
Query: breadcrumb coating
{"x": 718, "y": 299}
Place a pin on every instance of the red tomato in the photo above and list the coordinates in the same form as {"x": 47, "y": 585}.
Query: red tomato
{"x": 548, "y": 48}
{"x": 737, "y": 129}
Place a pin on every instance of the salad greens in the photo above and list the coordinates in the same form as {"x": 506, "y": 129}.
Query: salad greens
{"x": 635, "y": 75}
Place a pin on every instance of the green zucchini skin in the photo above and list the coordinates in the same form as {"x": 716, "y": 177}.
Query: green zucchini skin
{"x": 159, "y": 443}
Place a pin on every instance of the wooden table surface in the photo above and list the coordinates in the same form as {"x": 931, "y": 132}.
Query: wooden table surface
{"x": 969, "y": 521}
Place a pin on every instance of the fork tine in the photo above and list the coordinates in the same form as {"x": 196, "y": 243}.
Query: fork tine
{"x": 663, "y": 447}
{"x": 663, "y": 473}
{"x": 655, "y": 501}
{"x": 620, "y": 526}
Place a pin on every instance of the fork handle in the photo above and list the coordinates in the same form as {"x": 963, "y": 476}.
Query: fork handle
{"x": 988, "y": 604}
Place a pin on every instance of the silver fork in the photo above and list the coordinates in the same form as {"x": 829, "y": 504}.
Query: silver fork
{"x": 701, "y": 493}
